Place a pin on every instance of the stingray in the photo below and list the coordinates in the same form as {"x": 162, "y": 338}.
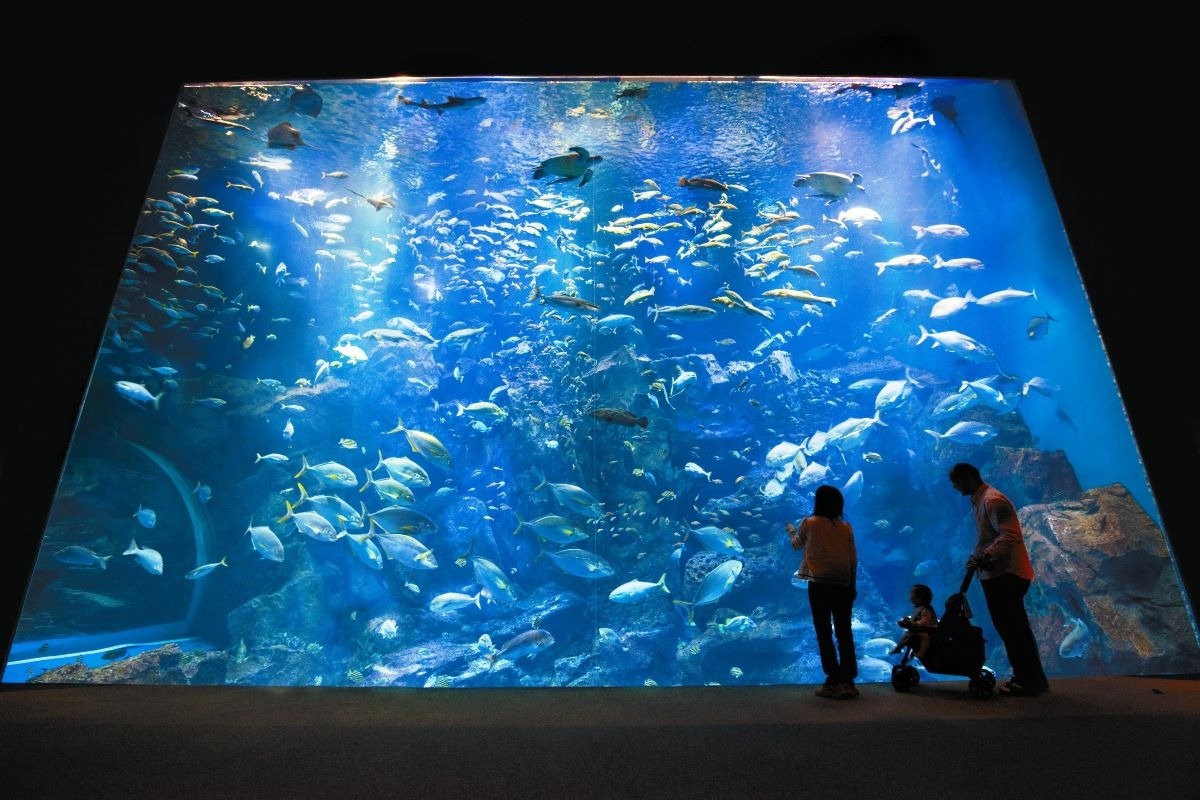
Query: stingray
{"x": 285, "y": 135}
{"x": 944, "y": 104}
{"x": 305, "y": 100}
{"x": 379, "y": 201}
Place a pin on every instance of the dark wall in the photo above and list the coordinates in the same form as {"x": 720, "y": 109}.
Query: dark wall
{"x": 1105, "y": 120}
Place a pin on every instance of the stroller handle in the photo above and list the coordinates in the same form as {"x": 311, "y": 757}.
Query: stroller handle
{"x": 967, "y": 580}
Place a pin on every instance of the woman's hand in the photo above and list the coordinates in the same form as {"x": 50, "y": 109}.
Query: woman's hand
{"x": 981, "y": 560}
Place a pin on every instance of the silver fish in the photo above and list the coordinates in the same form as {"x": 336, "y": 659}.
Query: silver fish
{"x": 527, "y": 644}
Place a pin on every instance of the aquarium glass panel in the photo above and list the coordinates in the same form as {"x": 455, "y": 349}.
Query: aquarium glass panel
{"x": 518, "y": 382}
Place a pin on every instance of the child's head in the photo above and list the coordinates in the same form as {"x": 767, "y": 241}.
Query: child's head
{"x": 920, "y": 595}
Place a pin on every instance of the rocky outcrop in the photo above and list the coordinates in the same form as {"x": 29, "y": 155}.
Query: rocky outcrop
{"x": 167, "y": 665}
{"x": 1031, "y": 476}
{"x": 1107, "y": 598}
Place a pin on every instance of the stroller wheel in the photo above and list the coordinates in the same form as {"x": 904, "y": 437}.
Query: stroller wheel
{"x": 983, "y": 685}
{"x": 905, "y": 677}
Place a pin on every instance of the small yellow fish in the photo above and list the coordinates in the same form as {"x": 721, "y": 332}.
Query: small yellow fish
{"x": 349, "y": 444}
{"x": 247, "y": 342}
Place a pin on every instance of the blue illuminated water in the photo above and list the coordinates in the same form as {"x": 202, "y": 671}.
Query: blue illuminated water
{"x": 284, "y": 272}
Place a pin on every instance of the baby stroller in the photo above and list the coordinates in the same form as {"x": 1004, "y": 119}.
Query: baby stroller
{"x": 956, "y": 647}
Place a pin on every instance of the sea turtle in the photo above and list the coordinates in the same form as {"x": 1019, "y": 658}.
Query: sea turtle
{"x": 833, "y": 186}
{"x": 575, "y": 164}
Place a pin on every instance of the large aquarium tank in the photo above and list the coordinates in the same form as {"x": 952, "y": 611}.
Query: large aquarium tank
{"x": 496, "y": 382}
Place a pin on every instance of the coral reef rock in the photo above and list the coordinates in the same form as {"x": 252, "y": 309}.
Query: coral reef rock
{"x": 1106, "y": 579}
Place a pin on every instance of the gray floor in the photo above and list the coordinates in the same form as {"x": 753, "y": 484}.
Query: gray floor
{"x": 1113, "y": 737}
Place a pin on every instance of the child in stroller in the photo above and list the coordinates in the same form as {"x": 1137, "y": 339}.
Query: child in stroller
{"x": 955, "y": 647}
{"x": 919, "y": 624}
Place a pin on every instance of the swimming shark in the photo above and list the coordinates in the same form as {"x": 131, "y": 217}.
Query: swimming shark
{"x": 195, "y": 110}
{"x": 450, "y": 102}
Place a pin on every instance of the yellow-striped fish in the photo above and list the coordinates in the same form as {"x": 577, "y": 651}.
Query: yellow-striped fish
{"x": 424, "y": 443}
